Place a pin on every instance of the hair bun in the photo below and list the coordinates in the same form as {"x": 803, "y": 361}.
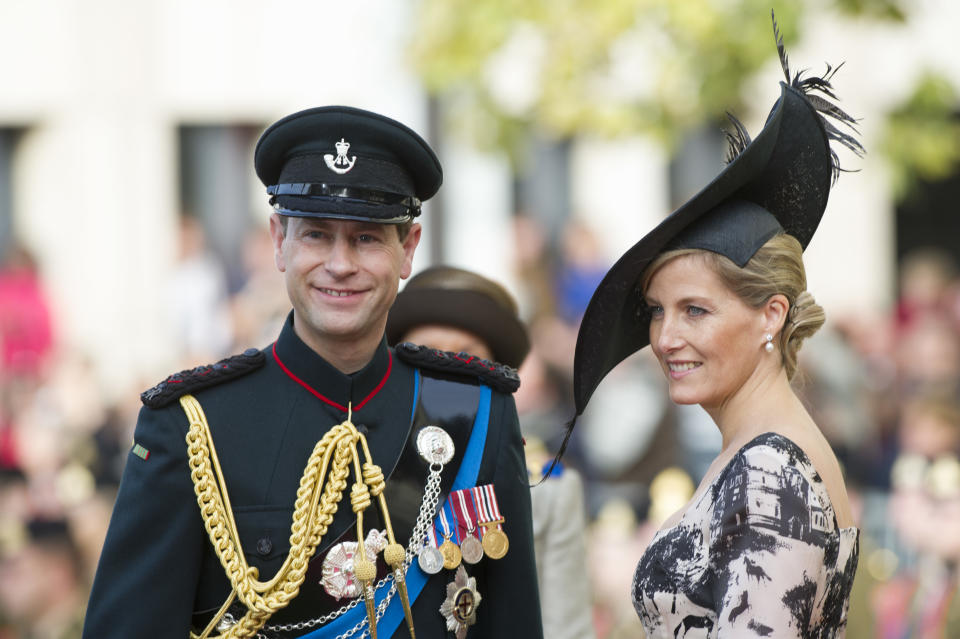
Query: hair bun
{"x": 804, "y": 301}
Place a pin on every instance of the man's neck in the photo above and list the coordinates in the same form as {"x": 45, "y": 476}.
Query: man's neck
{"x": 347, "y": 355}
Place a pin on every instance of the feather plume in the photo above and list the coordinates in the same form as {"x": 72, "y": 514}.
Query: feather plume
{"x": 737, "y": 140}
{"x": 823, "y": 106}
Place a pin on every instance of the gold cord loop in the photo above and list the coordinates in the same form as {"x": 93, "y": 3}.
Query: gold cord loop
{"x": 321, "y": 488}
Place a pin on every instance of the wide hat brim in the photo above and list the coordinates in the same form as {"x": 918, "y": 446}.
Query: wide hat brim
{"x": 786, "y": 169}
{"x": 471, "y": 311}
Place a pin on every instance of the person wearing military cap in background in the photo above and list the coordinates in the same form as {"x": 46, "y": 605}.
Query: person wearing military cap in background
{"x": 457, "y": 310}
{"x": 327, "y": 485}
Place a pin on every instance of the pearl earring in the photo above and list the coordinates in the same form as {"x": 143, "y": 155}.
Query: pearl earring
{"x": 769, "y": 343}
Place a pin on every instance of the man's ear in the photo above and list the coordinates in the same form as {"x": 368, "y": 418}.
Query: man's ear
{"x": 410, "y": 244}
{"x": 277, "y": 234}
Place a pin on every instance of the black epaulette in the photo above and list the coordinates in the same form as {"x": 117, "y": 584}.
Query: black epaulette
{"x": 498, "y": 376}
{"x": 194, "y": 379}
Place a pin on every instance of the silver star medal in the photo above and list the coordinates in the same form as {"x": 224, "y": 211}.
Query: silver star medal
{"x": 460, "y": 606}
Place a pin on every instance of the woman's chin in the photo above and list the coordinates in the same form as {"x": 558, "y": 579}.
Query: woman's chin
{"x": 684, "y": 398}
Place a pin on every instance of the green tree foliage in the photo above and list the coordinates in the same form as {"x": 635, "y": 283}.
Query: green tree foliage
{"x": 503, "y": 68}
{"x": 922, "y": 137}
{"x": 604, "y": 67}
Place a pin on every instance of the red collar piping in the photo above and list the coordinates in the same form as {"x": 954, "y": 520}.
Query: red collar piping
{"x": 326, "y": 399}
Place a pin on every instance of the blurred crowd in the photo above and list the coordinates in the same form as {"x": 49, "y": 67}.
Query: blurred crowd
{"x": 883, "y": 384}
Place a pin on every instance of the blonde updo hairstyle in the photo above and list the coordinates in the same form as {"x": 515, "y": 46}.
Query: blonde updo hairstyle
{"x": 776, "y": 268}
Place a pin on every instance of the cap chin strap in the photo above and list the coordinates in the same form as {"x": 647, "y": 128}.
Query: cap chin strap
{"x": 280, "y": 210}
{"x": 349, "y": 193}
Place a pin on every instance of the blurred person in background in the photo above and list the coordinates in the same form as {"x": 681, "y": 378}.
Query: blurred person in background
{"x": 197, "y": 298}
{"x": 925, "y": 275}
{"x": 231, "y": 518}
{"x": 466, "y": 314}
{"x": 920, "y": 601}
{"x": 768, "y": 544}
{"x": 260, "y": 307}
{"x": 26, "y": 324}
{"x": 41, "y": 594}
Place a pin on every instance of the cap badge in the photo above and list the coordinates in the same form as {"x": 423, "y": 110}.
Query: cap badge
{"x": 340, "y": 164}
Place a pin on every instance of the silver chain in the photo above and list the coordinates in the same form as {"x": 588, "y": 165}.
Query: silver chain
{"x": 428, "y": 508}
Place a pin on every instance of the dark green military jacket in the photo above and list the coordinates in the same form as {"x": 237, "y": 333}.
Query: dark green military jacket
{"x": 158, "y": 575}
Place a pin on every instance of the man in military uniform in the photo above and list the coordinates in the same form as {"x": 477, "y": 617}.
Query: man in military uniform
{"x": 251, "y": 480}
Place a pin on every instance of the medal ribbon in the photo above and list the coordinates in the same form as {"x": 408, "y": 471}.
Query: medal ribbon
{"x": 465, "y": 511}
{"x": 487, "y": 509}
{"x": 447, "y": 520}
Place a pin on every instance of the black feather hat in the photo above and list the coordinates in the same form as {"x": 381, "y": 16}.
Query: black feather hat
{"x": 778, "y": 181}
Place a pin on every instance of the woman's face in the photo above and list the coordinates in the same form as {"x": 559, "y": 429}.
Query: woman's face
{"x": 708, "y": 342}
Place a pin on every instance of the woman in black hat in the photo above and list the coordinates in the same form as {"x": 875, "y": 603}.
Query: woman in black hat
{"x": 767, "y": 545}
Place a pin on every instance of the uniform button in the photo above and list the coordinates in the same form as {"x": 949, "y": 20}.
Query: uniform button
{"x": 264, "y": 546}
{"x": 250, "y": 352}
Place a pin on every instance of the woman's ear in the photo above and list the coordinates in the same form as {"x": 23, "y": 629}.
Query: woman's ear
{"x": 775, "y": 313}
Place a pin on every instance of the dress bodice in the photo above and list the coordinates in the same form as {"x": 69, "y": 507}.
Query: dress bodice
{"x": 758, "y": 554}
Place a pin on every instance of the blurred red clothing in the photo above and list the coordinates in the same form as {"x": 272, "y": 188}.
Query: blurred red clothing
{"x": 26, "y": 333}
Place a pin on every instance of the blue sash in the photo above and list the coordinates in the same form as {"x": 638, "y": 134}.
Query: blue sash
{"x": 415, "y": 577}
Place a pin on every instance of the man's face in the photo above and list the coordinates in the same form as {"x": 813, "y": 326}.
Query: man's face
{"x": 342, "y": 276}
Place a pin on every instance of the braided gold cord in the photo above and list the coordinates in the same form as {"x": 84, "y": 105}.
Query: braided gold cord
{"x": 315, "y": 505}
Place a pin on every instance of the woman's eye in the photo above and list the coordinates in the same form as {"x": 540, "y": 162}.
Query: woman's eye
{"x": 695, "y": 310}
{"x": 654, "y": 310}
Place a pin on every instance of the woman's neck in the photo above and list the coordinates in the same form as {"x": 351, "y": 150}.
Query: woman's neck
{"x": 762, "y": 404}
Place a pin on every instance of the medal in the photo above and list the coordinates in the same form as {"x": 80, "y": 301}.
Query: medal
{"x": 495, "y": 541}
{"x": 471, "y": 549}
{"x": 339, "y": 579}
{"x": 430, "y": 558}
{"x": 449, "y": 549}
{"x": 435, "y": 445}
{"x": 451, "y": 554}
{"x": 460, "y": 606}
{"x": 465, "y": 514}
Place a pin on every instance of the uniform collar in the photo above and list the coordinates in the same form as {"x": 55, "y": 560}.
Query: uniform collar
{"x": 306, "y": 368}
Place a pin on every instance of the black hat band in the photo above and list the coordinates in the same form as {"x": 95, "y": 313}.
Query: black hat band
{"x": 346, "y": 193}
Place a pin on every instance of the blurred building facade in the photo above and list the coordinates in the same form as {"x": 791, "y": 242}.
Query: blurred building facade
{"x": 117, "y": 118}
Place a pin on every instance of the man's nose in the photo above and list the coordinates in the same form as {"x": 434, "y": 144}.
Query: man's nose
{"x": 341, "y": 260}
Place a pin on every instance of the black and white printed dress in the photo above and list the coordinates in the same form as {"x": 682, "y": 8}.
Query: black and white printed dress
{"x": 758, "y": 554}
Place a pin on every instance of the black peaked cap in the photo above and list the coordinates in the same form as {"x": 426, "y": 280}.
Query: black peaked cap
{"x": 348, "y": 163}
